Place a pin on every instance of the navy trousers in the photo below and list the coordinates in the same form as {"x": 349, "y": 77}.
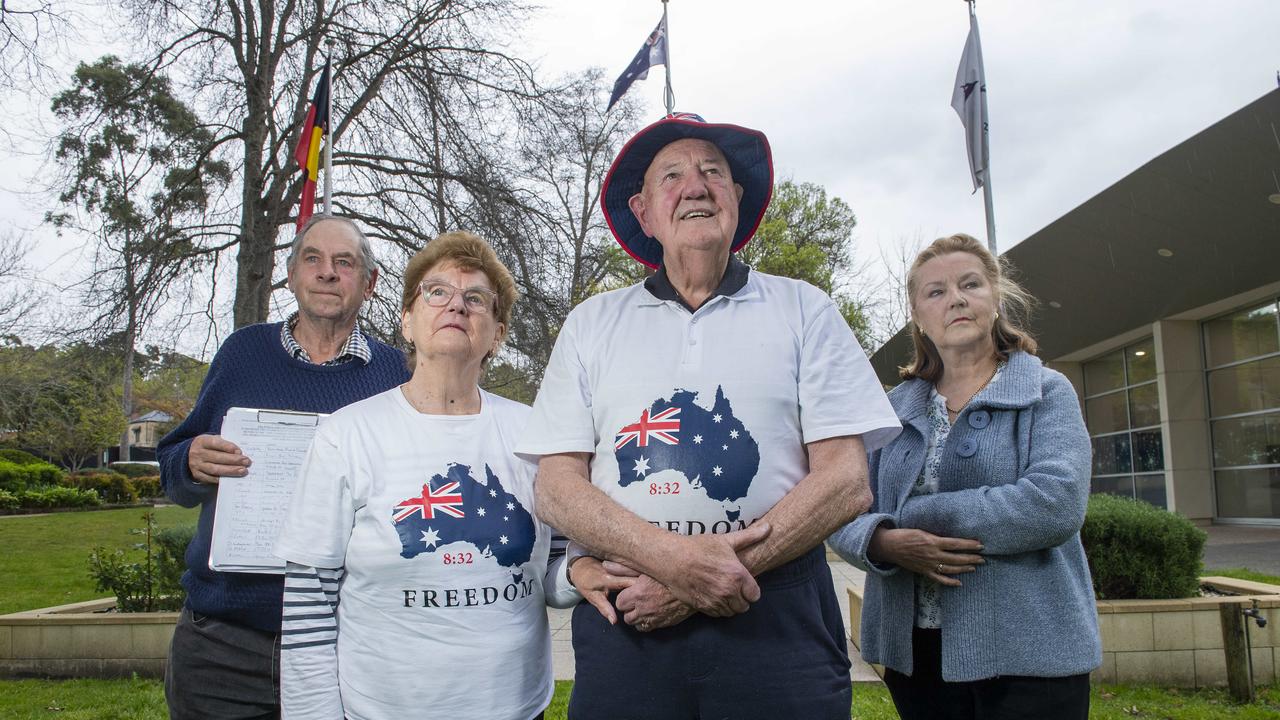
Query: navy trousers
{"x": 785, "y": 658}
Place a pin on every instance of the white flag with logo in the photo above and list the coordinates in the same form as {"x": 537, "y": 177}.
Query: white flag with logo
{"x": 969, "y": 100}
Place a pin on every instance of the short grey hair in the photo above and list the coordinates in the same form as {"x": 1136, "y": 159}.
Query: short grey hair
{"x": 362, "y": 240}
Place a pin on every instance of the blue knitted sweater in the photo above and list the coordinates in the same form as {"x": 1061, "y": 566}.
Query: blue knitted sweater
{"x": 252, "y": 369}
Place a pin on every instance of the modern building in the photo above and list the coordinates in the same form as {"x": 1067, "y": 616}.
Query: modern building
{"x": 1160, "y": 300}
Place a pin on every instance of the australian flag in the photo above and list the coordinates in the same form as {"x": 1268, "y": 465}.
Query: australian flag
{"x": 711, "y": 448}
{"x": 454, "y": 507}
{"x": 653, "y": 52}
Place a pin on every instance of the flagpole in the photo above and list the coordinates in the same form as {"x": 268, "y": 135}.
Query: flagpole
{"x": 668, "y": 96}
{"x": 328, "y": 142}
{"x": 986, "y": 152}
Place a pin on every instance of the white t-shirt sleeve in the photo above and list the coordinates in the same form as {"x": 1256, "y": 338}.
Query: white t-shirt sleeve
{"x": 318, "y": 525}
{"x": 561, "y": 421}
{"x": 839, "y": 392}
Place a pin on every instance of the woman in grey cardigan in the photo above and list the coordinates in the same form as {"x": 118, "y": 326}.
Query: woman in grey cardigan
{"x": 978, "y": 597}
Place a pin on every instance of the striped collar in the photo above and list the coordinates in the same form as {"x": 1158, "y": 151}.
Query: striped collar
{"x": 356, "y": 347}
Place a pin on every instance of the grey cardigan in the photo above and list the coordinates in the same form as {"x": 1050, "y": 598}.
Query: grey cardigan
{"x": 1015, "y": 476}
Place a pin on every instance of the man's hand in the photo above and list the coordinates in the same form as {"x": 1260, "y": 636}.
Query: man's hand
{"x": 590, "y": 577}
{"x": 210, "y": 457}
{"x": 705, "y": 572}
{"x": 647, "y": 604}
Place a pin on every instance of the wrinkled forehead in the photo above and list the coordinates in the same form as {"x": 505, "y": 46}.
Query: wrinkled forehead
{"x": 685, "y": 150}
{"x": 333, "y": 237}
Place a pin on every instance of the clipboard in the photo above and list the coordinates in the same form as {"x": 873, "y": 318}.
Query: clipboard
{"x": 252, "y": 508}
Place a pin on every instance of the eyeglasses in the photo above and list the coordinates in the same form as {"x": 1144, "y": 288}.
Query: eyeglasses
{"x": 477, "y": 300}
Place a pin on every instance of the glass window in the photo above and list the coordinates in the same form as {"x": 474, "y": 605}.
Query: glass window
{"x": 1121, "y": 485}
{"x": 1242, "y": 335}
{"x": 1105, "y": 373}
{"x": 1252, "y": 493}
{"x": 1244, "y": 388}
{"x": 1106, "y": 413}
{"x": 1151, "y": 489}
{"x": 1140, "y": 361}
{"x": 1144, "y": 405}
{"x": 1242, "y": 354}
{"x": 1111, "y": 454}
{"x": 1250, "y": 440}
{"x": 1148, "y": 451}
{"x": 1122, "y": 412}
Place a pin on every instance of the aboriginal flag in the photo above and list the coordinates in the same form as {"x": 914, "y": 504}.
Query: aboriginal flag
{"x": 307, "y": 154}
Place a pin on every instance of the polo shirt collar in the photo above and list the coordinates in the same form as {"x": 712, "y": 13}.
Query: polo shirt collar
{"x": 735, "y": 278}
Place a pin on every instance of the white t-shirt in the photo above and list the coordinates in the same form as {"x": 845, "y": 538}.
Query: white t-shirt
{"x": 698, "y": 421}
{"x": 441, "y": 611}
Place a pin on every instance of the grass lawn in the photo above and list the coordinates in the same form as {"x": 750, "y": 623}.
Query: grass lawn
{"x": 46, "y": 557}
{"x": 1244, "y": 574}
{"x": 139, "y": 699}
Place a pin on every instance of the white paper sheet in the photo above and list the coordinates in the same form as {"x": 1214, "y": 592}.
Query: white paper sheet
{"x": 252, "y": 508}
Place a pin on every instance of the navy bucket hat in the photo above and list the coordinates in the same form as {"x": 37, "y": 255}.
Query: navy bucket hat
{"x": 750, "y": 162}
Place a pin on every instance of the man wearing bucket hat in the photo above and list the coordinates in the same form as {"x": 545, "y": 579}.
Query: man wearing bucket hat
{"x": 704, "y": 431}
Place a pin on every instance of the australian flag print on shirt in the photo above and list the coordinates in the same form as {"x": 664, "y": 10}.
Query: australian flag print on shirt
{"x": 711, "y": 448}
{"x": 455, "y": 508}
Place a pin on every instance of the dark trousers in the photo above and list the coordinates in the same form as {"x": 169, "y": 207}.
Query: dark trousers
{"x": 924, "y": 695}
{"x": 784, "y": 659}
{"x": 220, "y": 670}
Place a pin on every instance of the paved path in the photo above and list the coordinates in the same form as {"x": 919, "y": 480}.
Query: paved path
{"x": 1252, "y": 546}
{"x": 842, "y": 574}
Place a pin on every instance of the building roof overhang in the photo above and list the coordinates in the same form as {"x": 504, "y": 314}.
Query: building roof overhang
{"x": 1194, "y": 225}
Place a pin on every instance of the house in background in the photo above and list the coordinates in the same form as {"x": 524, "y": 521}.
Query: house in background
{"x": 1160, "y": 300}
{"x": 145, "y": 432}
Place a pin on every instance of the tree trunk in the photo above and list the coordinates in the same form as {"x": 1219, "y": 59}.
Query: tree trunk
{"x": 131, "y": 330}
{"x": 256, "y": 258}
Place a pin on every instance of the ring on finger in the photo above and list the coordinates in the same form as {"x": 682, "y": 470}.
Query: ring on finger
{"x": 940, "y": 570}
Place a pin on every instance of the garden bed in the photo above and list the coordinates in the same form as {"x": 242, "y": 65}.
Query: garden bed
{"x": 1173, "y": 643}
{"x": 84, "y": 640}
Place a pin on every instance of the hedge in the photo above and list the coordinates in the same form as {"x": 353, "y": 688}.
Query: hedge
{"x": 55, "y": 496}
{"x": 147, "y": 487}
{"x": 133, "y": 470}
{"x": 15, "y": 477}
{"x": 1139, "y": 551}
{"x": 111, "y": 487}
{"x": 19, "y": 457}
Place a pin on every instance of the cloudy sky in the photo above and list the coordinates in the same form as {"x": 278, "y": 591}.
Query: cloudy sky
{"x": 855, "y": 95}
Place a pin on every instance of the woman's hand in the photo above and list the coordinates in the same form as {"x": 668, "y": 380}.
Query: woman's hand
{"x": 935, "y": 557}
{"x": 589, "y": 576}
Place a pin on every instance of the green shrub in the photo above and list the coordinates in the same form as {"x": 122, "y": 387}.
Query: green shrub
{"x": 171, "y": 557}
{"x": 112, "y": 487}
{"x": 15, "y": 477}
{"x": 133, "y": 470}
{"x": 8, "y": 501}
{"x": 19, "y": 457}
{"x": 1139, "y": 551}
{"x": 148, "y": 486}
{"x": 55, "y": 496}
{"x": 148, "y": 582}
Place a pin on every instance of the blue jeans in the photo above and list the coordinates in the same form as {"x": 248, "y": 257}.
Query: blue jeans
{"x": 220, "y": 670}
{"x": 785, "y": 658}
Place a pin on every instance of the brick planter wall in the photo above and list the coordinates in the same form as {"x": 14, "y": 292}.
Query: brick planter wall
{"x": 1173, "y": 643}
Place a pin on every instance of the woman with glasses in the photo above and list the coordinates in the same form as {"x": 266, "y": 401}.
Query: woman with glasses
{"x": 418, "y": 574}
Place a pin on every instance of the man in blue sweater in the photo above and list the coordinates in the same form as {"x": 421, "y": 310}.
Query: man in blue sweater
{"x": 224, "y": 659}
